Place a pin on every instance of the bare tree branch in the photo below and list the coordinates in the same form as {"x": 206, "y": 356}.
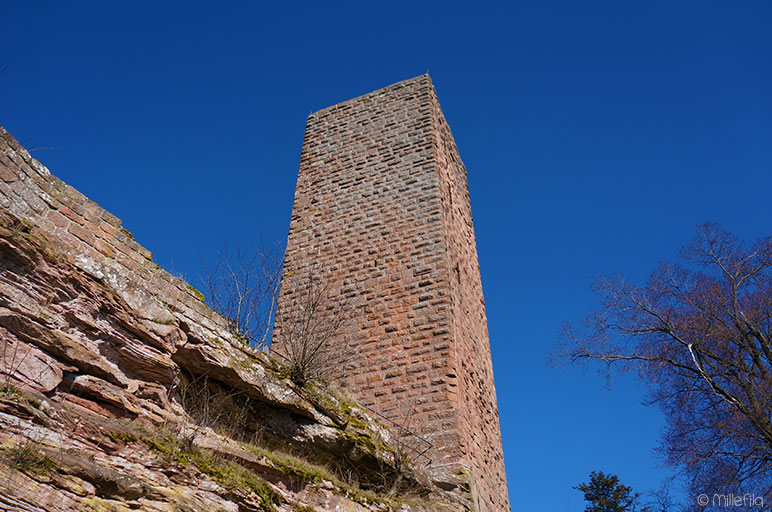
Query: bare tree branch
{"x": 310, "y": 330}
{"x": 243, "y": 287}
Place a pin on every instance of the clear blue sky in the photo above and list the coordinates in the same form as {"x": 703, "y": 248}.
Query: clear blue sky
{"x": 595, "y": 134}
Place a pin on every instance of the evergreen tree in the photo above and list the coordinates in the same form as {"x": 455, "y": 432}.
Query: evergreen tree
{"x": 604, "y": 493}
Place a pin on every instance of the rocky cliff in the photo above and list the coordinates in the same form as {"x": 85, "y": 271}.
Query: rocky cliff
{"x": 121, "y": 390}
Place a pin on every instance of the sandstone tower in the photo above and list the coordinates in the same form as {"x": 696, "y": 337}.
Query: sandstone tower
{"x": 382, "y": 211}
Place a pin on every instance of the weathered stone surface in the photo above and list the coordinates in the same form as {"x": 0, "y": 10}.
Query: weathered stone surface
{"x": 237, "y": 370}
{"x": 105, "y": 481}
{"x": 59, "y": 345}
{"x": 21, "y": 492}
{"x": 30, "y": 365}
{"x": 102, "y": 391}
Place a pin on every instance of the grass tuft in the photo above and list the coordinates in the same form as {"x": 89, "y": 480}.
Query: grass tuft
{"x": 28, "y": 458}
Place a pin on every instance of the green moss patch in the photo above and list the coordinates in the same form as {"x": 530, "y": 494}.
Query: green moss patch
{"x": 296, "y": 467}
{"x": 293, "y": 466}
{"x": 229, "y": 474}
{"x": 198, "y": 294}
{"x": 127, "y": 233}
{"x": 28, "y": 458}
{"x": 124, "y": 437}
{"x": 11, "y": 392}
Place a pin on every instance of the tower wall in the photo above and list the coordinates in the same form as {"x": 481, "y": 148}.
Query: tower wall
{"x": 382, "y": 216}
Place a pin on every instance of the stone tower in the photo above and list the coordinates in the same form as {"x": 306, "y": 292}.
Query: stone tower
{"x": 382, "y": 213}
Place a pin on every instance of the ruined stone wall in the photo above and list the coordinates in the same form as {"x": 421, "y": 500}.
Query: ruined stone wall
{"x": 382, "y": 214}
{"x": 100, "y": 346}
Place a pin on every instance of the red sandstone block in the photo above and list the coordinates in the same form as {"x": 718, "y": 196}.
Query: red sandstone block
{"x": 81, "y": 232}
{"x": 92, "y": 212}
{"x": 134, "y": 255}
{"x": 105, "y": 248}
{"x": 74, "y": 195}
{"x": 7, "y": 174}
{"x": 70, "y": 214}
{"x": 55, "y": 185}
{"x": 108, "y": 230}
{"x": 124, "y": 260}
{"x": 32, "y": 198}
{"x": 14, "y": 157}
{"x": 123, "y": 236}
{"x": 46, "y": 225}
{"x": 392, "y": 373}
{"x": 57, "y": 218}
{"x": 111, "y": 219}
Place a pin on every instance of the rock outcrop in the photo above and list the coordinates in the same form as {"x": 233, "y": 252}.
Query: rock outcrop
{"x": 121, "y": 390}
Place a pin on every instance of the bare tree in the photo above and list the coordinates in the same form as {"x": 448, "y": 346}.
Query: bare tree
{"x": 700, "y": 335}
{"x": 310, "y": 344}
{"x": 243, "y": 287}
{"x": 661, "y": 499}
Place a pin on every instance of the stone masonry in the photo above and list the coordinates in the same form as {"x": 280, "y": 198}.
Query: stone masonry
{"x": 382, "y": 216}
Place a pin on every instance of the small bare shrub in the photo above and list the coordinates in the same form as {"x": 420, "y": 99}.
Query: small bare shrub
{"x": 243, "y": 286}
{"x": 211, "y": 406}
{"x": 311, "y": 346}
{"x": 13, "y": 359}
{"x": 408, "y": 450}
